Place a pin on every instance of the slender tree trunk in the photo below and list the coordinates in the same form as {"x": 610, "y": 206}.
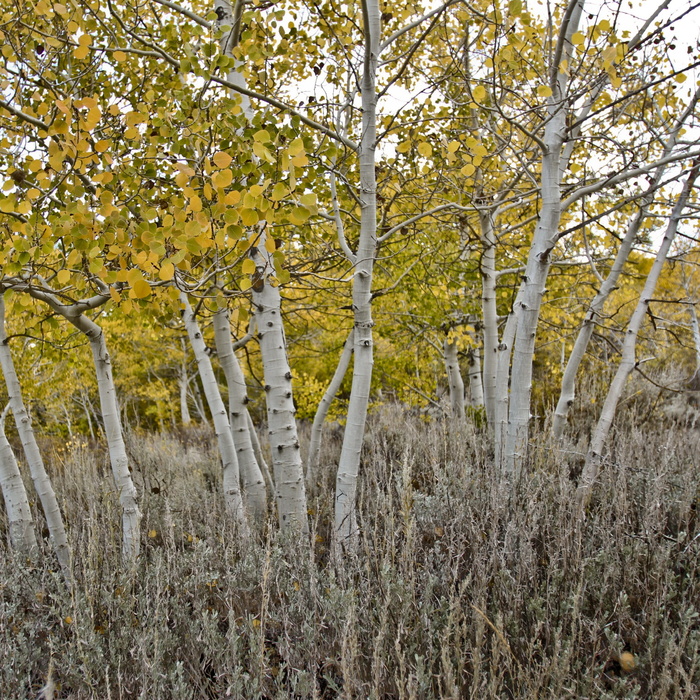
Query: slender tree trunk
{"x": 131, "y": 515}
{"x": 259, "y": 456}
{"x": 505, "y": 351}
{"x": 349, "y": 465}
{"x": 322, "y": 411}
{"x": 19, "y": 513}
{"x": 568, "y": 388}
{"x": 595, "y": 308}
{"x": 539, "y": 258}
{"x": 696, "y": 337}
{"x": 183, "y": 382}
{"x": 476, "y": 389}
{"x": 454, "y": 379}
{"x": 290, "y": 493}
{"x": 628, "y": 360}
{"x": 489, "y": 315}
{"x": 42, "y": 483}
{"x": 219, "y": 414}
{"x": 254, "y": 491}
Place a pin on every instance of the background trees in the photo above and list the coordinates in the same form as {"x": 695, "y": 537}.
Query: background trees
{"x": 413, "y": 175}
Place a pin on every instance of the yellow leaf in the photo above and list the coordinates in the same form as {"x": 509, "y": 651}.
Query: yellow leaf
{"x": 167, "y": 271}
{"x": 404, "y": 147}
{"x": 68, "y": 620}
{"x": 153, "y": 534}
{"x": 232, "y": 198}
{"x": 270, "y": 245}
{"x": 680, "y": 78}
{"x": 468, "y": 169}
{"x": 279, "y": 191}
{"x": 544, "y": 91}
{"x": 425, "y": 149}
{"x": 140, "y": 290}
{"x": 85, "y": 40}
{"x": 479, "y": 93}
{"x": 221, "y": 159}
{"x": 296, "y": 147}
{"x": 63, "y": 276}
{"x": 102, "y": 145}
{"x": 263, "y": 136}
{"x": 453, "y": 146}
{"x": 222, "y": 178}
{"x": 578, "y": 38}
{"x": 195, "y": 204}
{"x": 119, "y": 56}
{"x": 248, "y": 267}
{"x": 81, "y": 52}
{"x": 249, "y": 217}
{"x": 256, "y": 190}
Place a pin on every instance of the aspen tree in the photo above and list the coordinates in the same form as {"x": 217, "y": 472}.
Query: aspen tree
{"x": 19, "y": 512}
{"x": 42, "y": 482}
{"x": 627, "y": 364}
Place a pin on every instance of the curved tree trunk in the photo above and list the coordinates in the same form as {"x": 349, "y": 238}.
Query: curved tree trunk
{"x": 42, "y": 483}
{"x": 254, "y": 491}
{"x": 322, "y": 411}
{"x": 219, "y": 414}
{"x": 19, "y": 513}
{"x": 628, "y": 360}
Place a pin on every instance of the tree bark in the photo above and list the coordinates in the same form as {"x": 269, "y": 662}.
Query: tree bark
{"x": 476, "y": 389}
{"x": 254, "y": 491}
{"x": 42, "y": 482}
{"x": 628, "y": 359}
{"x": 349, "y": 465}
{"x": 183, "y": 383}
{"x": 19, "y": 513}
{"x": 219, "y": 414}
{"x": 454, "y": 379}
{"x": 290, "y": 491}
{"x": 490, "y": 316}
{"x": 322, "y": 411}
{"x": 539, "y": 258}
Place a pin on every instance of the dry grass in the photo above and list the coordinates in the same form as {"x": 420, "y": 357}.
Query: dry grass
{"x": 460, "y": 588}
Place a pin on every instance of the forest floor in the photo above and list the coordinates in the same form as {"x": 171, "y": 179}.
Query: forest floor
{"x": 460, "y": 588}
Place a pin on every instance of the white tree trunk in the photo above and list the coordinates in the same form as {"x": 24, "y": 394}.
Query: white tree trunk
{"x": 254, "y": 491}
{"x": 314, "y": 461}
{"x": 219, "y": 414}
{"x": 290, "y": 491}
{"x": 696, "y": 336}
{"x": 476, "y": 389}
{"x": 19, "y": 513}
{"x": 454, "y": 379}
{"x": 568, "y": 384}
{"x": 259, "y": 456}
{"x": 131, "y": 515}
{"x": 349, "y": 465}
{"x": 539, "y": 258}
{"x": 568, "y": 388}
{"x": 628, "y": 359}
{"x": 183, "y": 383}
{"x": 42, "y": 483}
{"x": 505, "y": 351}
{"x": 490, "y": 316}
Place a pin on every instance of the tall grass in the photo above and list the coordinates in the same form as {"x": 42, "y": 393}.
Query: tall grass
{"x": 461, "y": 587}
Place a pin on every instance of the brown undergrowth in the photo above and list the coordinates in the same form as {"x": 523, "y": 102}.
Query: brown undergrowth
{"x": 461, "y": 587}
